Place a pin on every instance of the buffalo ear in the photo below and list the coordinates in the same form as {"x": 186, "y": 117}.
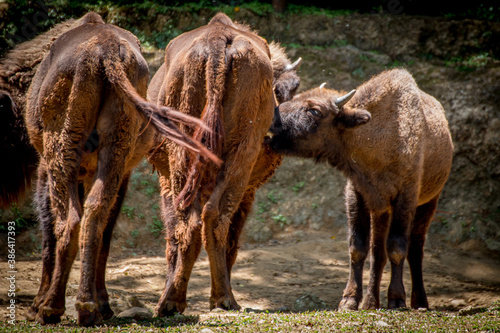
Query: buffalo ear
{"x": 351, "y": 118}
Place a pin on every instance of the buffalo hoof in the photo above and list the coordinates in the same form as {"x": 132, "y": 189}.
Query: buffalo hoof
{"x": 31, "y": 314}
{"x": 348, "y": 304}
{"x": 47, "y": 315}
{"x": 89, "y": 318}
{"x": 396, "y": 303}
{"x": 105, "y": 311}
{"x": 370, "y": 303}
{"x": 225, "y": 303}
{"x": 48, "y": 320}
{"x": 88, "y": 314}
{"x": 419, "y": 301}
{"x": 170, "y": 308}
{"x": 33, "y": 309}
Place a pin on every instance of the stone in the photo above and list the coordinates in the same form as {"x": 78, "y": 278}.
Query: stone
{"x": 381, "y": 323}
{"x": 134, "y": 302}
{"x": 471, "y": 310}
{"x": 136, "y": 313}
{"x": 309, "y": 302}
{"x": 206, "y": 330}
{"x": 458, "y": 303}
{"x": 118, "y": 304}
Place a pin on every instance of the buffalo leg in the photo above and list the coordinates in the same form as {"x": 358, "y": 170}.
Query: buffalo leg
{"x": 66, "y": 230}
{"x": 102, "y": 196}
{"x": 237, "y": 223}
{"x": 42, "y": 201}
{"x": 397, "y": 247}
{"x": 215, "y": 231}
{"x": 216, "y": 216}
{"x": 102, "y": 293}
{"x": 421, "y": 224}
{"x": 183, "y": 235}
{"x": 378, "y": 259}
{"x": 62, "y": 164}
{"x": 358, "y": 218}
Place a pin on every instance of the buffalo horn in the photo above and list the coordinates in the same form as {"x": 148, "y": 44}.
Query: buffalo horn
{"x": 342, "y": 100}
{"x": 322, "y": 85}
{"x": 295, "y": 65}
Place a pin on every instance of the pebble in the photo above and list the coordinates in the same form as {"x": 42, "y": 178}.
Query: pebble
{"x": 381, "y": 323}
{"x": 136, "y": 313}
{"x": 471, "y": 310}
{"x": 206, "y": 330}
{"x": 458, "y": 303}
{"x": 309, "y": 302}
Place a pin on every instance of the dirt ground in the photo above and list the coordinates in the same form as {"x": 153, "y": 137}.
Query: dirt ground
{"x": 274, "y": 275}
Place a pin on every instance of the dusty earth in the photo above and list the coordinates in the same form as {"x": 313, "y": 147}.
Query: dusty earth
{"x": 272, "y": 276}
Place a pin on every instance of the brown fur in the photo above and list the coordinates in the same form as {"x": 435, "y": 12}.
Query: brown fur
{"x": 224, "y": 74}
{"x": 89, "y": 89}
{"x": 392, "y": 142}
{"x": 17, "y": 69}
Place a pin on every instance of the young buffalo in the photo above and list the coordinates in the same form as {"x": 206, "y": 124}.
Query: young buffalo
{"x": 392, "y": 142}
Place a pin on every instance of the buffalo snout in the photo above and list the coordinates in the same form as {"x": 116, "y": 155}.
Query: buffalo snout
{"x": 277, "y": 125}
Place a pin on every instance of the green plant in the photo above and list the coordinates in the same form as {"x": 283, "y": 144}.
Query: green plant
{"x": 20, "y": 222}
{"x": 312, "y": 10}
{"x": 133, "y": 234}
{"x": 258, "y": 8}
{"x": 36, "y": 240}
{"x": 263, "y": 207}
{"x": 273, "y": 197}
{"x": 308, "y": 321}
{"x": 442, "y": 220}
{"x": 156, "y": 227}
{"x": 470, "y": 63}
{"x": 297, "y": 187}
{"x": 292, "y": 45}
{"x": 280, "y": 219}
{"x": 129, "y": 211}
{"x": 339, "y": 43}
{"x": 358, "y": 73}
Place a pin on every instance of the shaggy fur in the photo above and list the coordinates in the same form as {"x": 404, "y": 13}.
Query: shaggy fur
{"x": 392, "y": 142}
{"x": 89, "y": 87}
{"x": 224, "y": 74}
{"x": 17, "y": 69}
